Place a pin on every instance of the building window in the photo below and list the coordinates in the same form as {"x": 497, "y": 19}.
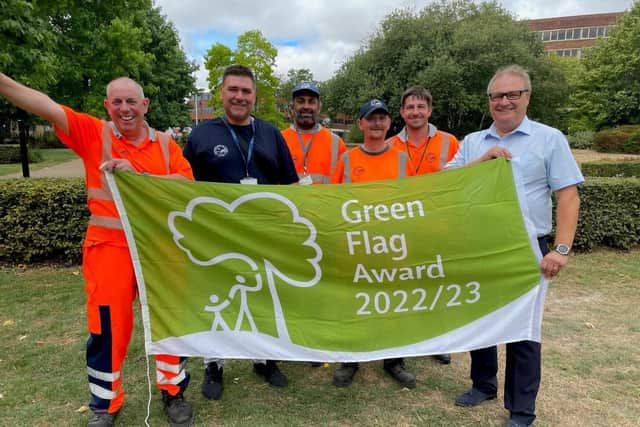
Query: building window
{"x": 554, "y": 35}
{"x": 546, "y": 36}
{"x": 576, "y": 33}
{"x": 593, "y": 32}
{"x": 561, "y": 34}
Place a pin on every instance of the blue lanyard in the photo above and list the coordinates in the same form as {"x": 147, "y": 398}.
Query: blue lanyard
{"x": 246, "y": 160}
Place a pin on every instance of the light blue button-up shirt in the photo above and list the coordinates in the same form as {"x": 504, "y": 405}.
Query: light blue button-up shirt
{"x": 544, "y": 159}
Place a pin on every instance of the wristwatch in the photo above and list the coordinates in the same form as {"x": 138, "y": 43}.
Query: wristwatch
{"x": 562, "y": 249}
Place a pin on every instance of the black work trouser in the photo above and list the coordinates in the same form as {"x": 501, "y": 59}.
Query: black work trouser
{"x": 521, "y": 376}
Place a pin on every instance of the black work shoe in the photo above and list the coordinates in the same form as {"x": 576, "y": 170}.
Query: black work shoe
{"x": 400, "y": 374}
{"x": 102, "y": 420}
{"x": 271, "y": 373}
{"x": 178, "y": 409}
{"x": 473, "y": 397}
{"x": 212, "y": 383}
{"x": 444, "y": 359}
{"x": 343, "y": 376}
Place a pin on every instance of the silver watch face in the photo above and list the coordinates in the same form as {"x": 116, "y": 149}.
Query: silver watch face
{"x": 562, "y": 249}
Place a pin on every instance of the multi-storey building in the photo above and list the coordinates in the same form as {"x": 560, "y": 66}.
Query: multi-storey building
{"x": 200, "y": 108}
{"x": 570, "y": 35}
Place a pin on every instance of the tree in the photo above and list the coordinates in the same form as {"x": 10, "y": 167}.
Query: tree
{"x": 76, "y": 50}
{"x": 294, "y": 77}
{"x": 609, "y": 89}
{"x": 170, "y": 79}
{"x": 257, "y": 53}
{"x": 23, "y": 31}
{"x": 453, "y": 49}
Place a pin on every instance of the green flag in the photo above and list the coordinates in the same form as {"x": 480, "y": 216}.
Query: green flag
{"x": 431, "y": 264}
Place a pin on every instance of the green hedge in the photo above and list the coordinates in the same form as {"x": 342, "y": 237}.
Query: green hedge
{"x": 609, "y": 213}
{"x": 622, "y": 139}
{"x": 10, "y": 153}
{"x": 582, "y": 140}
{"x": 623, "y": 168}
{"x": 43, "y": 220}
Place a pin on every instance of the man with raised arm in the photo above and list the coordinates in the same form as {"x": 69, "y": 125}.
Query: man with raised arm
{"x": 125, "y": 143}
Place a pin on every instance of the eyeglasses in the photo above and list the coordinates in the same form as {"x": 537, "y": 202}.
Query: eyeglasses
{"x": 511, "y": 96}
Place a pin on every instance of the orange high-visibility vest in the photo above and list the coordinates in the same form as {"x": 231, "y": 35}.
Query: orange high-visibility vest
{"x": 359, "y": 165}
{"x": 319, "y": 150}
{"x": 433, "y": 152}
{"x": 97, "y": 141}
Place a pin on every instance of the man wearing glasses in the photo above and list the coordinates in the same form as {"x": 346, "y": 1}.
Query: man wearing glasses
{"x": 542, "y": 155}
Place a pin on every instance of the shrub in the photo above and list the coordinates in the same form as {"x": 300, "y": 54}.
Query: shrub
{"x": 623, "y": 168}
{"x": 42, "y": 220}
{"x": 49, "y": 140}
{"x": 622, "y": 139}
{"x": 608, "y": 213}
{"x": 582, "y": 140}
{"x": 10, "y": 153}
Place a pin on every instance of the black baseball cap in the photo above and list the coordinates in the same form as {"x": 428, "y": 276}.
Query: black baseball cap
{"x": 372, "y": 106}
{"x": 306, "y": 87}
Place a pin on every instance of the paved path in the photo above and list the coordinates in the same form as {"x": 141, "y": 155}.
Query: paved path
{"x": 68, "y": 169}
{"x": 74, "y": 168}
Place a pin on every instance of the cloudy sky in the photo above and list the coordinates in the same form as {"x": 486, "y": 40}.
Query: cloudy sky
{"x": 321, "y": 35}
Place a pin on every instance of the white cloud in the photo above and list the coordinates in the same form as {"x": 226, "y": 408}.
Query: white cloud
{"x": 322, "y": 35}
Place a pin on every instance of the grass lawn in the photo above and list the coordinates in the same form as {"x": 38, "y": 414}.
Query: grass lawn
{"x": 50, "y": 157}
{"x": 591, "y": 364}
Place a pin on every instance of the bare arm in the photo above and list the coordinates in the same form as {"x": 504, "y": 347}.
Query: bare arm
{"x": 567, "y": 209}
{"x": 34, "y": 102}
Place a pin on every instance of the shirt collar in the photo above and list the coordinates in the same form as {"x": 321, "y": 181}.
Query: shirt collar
{"x": 315, "y": 128}
{"x": 524, "y": 128}
{"x": 152, "y": 132}
{"x": 404, "y": 137}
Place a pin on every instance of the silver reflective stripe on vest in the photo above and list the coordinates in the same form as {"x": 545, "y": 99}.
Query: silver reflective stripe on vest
{"x": 171, "y": 367}
{"x": 162, "y": 379}
{"x": 102, "y": 392}
{"x": 99, "y": 193}
{"x": 444, "y": 150}
{"x": 402, "y": 164}
{"x": 105, "y": 221}
{"x": 335, "y": 144}
{"x": 347, "y": 169}
{"x": 163, "y": 139}
{"x": 103, "y": 376}
{"x": 316, "y": 177}
{"x": 103, "y": 192}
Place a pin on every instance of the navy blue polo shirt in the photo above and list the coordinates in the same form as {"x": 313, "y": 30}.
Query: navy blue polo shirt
{"x": 214, "y": 156}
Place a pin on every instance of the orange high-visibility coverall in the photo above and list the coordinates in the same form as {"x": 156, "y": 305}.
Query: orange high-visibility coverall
{"x": 110, "y": 283}
{"x": 320, "y": 148}
{"x": 433, "y": 152}
{"x": 358, "y": 165}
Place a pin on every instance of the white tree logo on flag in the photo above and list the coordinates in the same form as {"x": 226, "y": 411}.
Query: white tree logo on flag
{"x": 243, "y": 283}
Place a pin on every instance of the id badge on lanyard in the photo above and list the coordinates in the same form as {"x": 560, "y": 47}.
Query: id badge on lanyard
{"x": 247, "y": 180}
{"x": 305, "y": 179}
